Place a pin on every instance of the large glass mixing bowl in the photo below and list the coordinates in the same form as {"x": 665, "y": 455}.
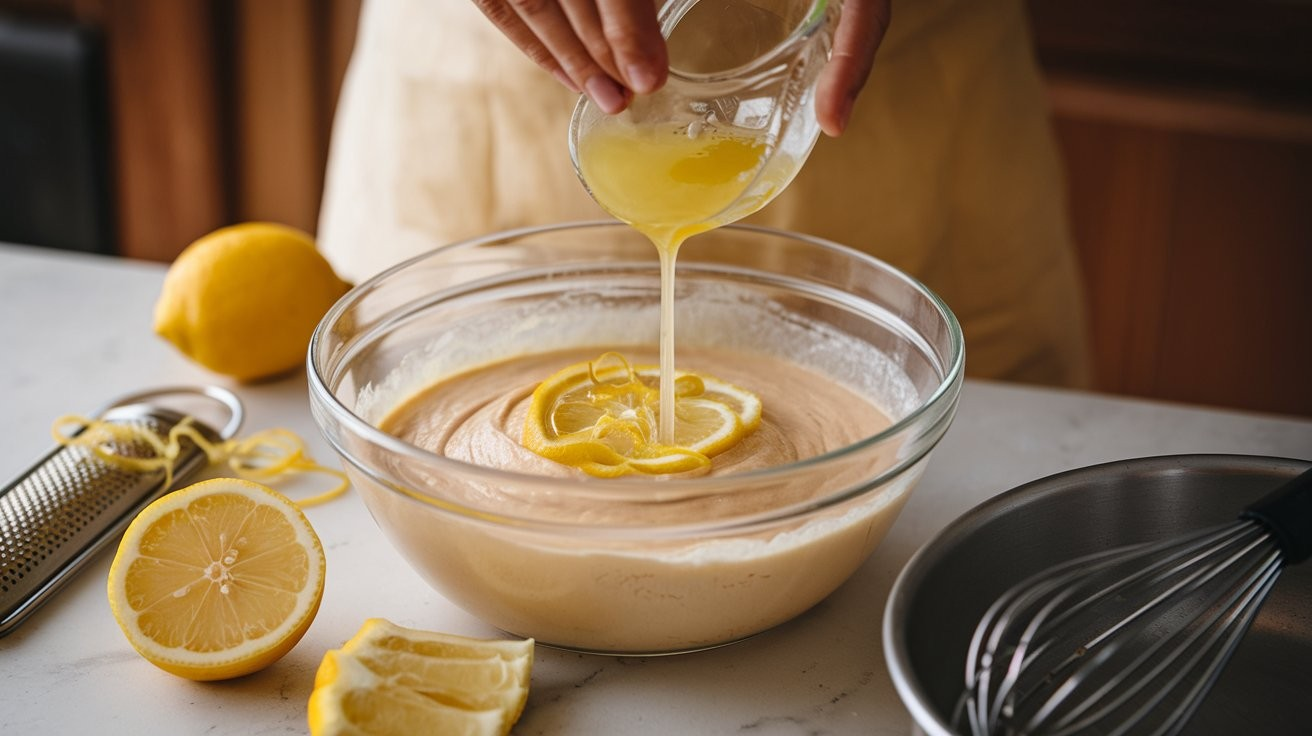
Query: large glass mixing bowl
{"x": 637, "y": 565}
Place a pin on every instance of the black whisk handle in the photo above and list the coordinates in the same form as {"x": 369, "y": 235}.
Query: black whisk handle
{"x": 1287, "y": 513}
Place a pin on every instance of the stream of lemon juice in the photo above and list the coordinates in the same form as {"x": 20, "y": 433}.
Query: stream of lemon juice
{"x": 670, "y": 184}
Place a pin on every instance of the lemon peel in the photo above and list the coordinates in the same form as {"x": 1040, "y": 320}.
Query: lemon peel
{"x": 266, "y": 455}
{"x": 601, "y": 417}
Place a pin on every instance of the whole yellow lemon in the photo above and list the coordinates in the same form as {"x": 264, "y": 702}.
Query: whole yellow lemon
{"x": 244, "y": 300}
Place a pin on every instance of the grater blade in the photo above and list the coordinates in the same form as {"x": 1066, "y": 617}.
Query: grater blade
{"x": 70, "y": 504}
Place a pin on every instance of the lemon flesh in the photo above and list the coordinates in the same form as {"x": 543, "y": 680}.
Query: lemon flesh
{"x": 393, "y": 680}
{"x": 217, "y": 580}
{"x": 244, "y": 300}
{"x": 601, "y": 417}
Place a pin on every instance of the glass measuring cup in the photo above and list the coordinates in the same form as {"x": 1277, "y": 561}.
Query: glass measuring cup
{"x": 742, "y": 70}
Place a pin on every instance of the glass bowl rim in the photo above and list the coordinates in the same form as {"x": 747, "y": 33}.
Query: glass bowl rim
{"x": 623, "y": 488}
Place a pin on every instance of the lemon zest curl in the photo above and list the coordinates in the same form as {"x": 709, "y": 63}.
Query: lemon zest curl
{"x": 267, "y": 455}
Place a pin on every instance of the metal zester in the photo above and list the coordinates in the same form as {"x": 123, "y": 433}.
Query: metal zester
{"x": 70, "y": 504}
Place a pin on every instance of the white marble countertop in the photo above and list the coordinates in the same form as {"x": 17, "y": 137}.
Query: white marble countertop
{"x": 75, "y": 333}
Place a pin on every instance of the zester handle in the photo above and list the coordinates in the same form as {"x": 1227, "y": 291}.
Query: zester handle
{"x": 69, "y": 505}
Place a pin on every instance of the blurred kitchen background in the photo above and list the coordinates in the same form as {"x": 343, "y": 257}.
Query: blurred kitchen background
{"x": 131, "y": 127}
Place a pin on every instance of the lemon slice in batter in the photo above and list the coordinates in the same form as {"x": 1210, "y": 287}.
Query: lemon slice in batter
{"x": 601, "y": 417}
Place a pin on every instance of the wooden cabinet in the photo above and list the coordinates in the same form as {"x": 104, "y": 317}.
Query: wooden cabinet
{"x": 1196, "y": 247}
{"x": 1187, "y": 135}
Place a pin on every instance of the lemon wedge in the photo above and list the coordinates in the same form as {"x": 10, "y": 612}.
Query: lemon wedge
{"x": 601, "y": 417}
{"x": 393, "y": 680}
{"x": 217, "y": 580}
{"x": 244, "y": 300}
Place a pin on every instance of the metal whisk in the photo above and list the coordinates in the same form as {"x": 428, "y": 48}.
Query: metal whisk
{"x": 1129, "y": 641}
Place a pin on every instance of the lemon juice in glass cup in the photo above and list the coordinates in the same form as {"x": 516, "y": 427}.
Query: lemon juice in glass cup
{"x": 728, "y": 131}
{"x": 497, "y": 401}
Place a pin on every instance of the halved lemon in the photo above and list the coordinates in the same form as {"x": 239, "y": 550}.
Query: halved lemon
{"x": 217, "y": 580}
{"x": 601, "y": 417}
{"x": 393, "y": 680}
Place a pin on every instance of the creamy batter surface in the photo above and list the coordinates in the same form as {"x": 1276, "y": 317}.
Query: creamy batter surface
{"x": 478, "y": 417}
{"x": 587, "y": 571}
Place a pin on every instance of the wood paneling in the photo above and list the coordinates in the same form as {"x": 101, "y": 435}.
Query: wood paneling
{"x": 167, "y": 124}
{"x": 1187, "y": 133}
{"x": 337, "y": 26}
{"x": 280, "y": 135}
{"x": 289, "y": 59}
{"x": 1239, "y": 311}
{"x": 1122, "y": 185}
{"x": 1195, "y": 233}
{"x": 220, "y": 109}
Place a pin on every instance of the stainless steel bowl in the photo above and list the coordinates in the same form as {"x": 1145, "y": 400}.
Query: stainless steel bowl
{"x": 947, "y": 586}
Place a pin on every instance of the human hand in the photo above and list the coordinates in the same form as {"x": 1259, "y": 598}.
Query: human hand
{"x": 606, "y": 48}
{"x": 611, "y": 49}
{"x": 860, "y": 30}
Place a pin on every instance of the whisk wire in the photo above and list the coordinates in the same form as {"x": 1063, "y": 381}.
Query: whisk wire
{"x": 986, "y": 651}
{"x": 1212, "y": 638}
{"x": 1234, "y": 628}
{"x": 986, "y": 647}
{"x": 1024, "y": 678}
{"x": 1050, "y": 594}
{"x": 1133, "y": 624}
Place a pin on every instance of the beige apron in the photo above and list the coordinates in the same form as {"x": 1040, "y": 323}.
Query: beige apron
{"x": 948, "y": 170}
